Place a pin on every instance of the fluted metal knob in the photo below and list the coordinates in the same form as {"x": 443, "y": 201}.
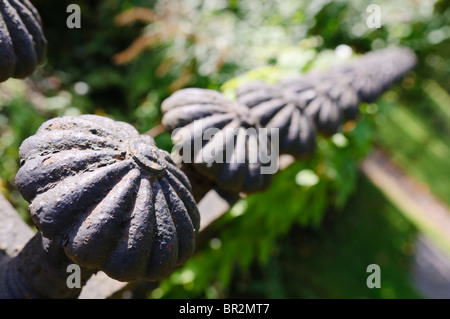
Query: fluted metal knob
{"x": 231, "y": 155}
{"x": 22, "y": 42}
{"x": 114, "y": 200}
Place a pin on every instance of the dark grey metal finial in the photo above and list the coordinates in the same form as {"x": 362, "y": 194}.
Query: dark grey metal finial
{"x": 104, "y": 197}
{"x": 23, "y": 44}
{"x": 225, "y": 157}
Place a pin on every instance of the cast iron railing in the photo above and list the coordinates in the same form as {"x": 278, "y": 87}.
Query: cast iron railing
{"x": 106, "y": 198}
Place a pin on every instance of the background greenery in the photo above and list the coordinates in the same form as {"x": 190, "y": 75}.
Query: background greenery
{"x": 314, "y": 232}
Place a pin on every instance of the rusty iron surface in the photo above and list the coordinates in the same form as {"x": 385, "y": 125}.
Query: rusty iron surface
{"x": 23, "y": 43}
{"x": 226, "y": 159}
{"x": 109, "y": 196}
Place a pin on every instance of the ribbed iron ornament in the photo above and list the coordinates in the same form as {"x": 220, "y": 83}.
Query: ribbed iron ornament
{"x": 115, "y": 201}
{"x": 373, "y": 73}
{"x": 321, "y": 102}
{"x": 328, "y": 98}
{"x": 275, "y": 107}
{"x": 232, "y": 155}
{"x": 22, "y": 42}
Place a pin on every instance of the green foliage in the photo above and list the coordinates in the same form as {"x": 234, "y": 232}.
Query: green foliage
{"x": 332, "y": 263}
{"x": 250, "y": 230}
{"x": 18, "y": 120}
